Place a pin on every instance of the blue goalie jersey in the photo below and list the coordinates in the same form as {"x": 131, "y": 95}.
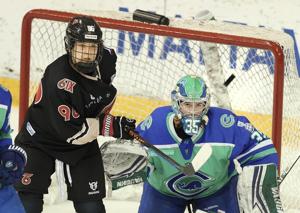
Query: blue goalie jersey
{"x": 234, "y": 140}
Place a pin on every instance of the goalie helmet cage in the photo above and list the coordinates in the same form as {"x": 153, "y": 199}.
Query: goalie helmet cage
{"x": 151, "y": 58}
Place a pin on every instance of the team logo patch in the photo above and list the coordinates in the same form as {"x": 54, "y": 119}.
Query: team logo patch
{"x": 227, "y": 120}
{"x": 146, "y": 123}
{"x": 188, "y": 186}
{"x": 9, "y": 165}
{"x": 93, "y": 186}
{"x": 26, "y": 179}
{"x": 66, "y": 84}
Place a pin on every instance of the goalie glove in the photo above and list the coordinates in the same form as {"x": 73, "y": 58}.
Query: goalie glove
{"x": 124, "y": 162}
{"x": 116, "y": 126}
{"x": 13, "y": 159}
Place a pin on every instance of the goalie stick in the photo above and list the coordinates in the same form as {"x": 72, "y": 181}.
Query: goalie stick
{"x": 188, "y": 169}
{"x": 287, "y": 171}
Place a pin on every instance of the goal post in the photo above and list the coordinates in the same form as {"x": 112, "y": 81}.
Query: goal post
{"x": 151, "y": 58}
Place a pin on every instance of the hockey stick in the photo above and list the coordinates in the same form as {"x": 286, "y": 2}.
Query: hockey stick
{"x": 190, "y": 168}
{"x": 285, "y": 173}
{"x": 202, "y": 156}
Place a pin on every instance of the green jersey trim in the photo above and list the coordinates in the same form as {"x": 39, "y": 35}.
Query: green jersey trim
{"x": 5, "y": 136}
{"x": 3, "y": 111}
{"x": 260, "y": 145}
{"x": 260, "y": 155}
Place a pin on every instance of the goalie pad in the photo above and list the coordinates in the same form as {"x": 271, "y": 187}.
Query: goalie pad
{"x": 258, "y": 189}
{"x": 124, "y": 162}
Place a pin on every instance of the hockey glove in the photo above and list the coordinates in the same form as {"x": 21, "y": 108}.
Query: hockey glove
{"x": 12, "y": 161}
{"x": 116, "y": 126}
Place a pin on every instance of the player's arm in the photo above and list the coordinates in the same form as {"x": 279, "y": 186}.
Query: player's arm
{"x": 5, "y": 108}
{"x": 12, "y": 158}
{"x": 12, "y": 162}
{"x": 257, "y": 148}
{"x": 107, "y": 65}
{"x": 142, "y": 129}
{"x": 73, "y": 125}
{"x": 257, "y": 185}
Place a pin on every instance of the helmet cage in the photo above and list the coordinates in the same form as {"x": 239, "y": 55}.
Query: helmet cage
{"x": 84, "y": 55}
{"x": 178, "y": 100}
{"x": 86, "y": 30}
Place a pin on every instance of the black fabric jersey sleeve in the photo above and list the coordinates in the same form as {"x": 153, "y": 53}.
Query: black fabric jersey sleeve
{"x": 107, "y": 65}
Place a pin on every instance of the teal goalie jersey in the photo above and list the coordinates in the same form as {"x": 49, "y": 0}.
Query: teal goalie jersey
{"x": 234, "y": 140}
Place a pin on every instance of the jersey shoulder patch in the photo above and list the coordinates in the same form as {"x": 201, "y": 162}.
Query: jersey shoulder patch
{"x": 225, "y": 118}
{"x": 157, "y": 116}
{"x": 146, "y": 124}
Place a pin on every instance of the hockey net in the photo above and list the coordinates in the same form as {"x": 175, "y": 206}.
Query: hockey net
{"x": 152, "y": 58}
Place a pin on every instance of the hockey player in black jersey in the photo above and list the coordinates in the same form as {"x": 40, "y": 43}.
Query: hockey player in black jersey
{"x": 70, "y": 109}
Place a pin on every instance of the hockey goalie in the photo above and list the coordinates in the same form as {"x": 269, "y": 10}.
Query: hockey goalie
{"x": 240, "y": 170}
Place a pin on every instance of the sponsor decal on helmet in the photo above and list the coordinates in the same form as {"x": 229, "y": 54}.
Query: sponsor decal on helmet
{"x": 92, "y": 37}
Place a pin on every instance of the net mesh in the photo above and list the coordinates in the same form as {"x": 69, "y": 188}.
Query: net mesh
{"x": 149, "y": 65}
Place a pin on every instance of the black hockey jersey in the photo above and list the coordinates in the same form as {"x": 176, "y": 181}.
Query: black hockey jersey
{"x": 63, "y": 115}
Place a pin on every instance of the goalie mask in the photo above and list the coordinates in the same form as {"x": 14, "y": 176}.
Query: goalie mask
{"x": 83, "y": 43}
{"x": 190, "y": 102}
